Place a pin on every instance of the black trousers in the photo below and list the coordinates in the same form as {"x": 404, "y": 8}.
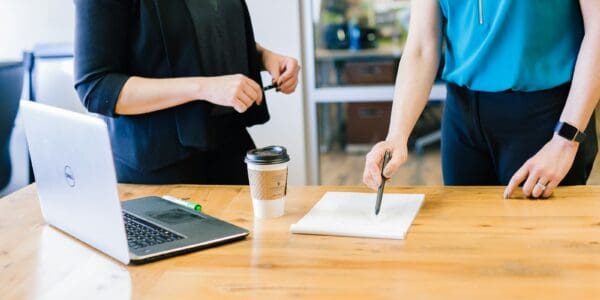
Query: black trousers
{"x": 487, "y": 137}
{"x": 224, "y": 166}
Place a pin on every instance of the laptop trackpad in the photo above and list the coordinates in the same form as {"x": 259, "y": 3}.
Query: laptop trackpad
{"x": 174, "y": 216}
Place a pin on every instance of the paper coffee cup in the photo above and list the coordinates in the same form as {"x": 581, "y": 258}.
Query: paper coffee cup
{"x": 267, "y": 173}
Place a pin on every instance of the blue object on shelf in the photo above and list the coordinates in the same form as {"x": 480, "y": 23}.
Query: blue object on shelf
{"x": 335, "y": 36}
{"x": 362, "y": 37}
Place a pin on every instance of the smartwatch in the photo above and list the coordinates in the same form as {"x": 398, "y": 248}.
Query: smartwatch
{"x": 569, "y": 132}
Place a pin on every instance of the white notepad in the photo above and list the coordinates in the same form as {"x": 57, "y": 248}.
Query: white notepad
{"x": 353, "y": 214}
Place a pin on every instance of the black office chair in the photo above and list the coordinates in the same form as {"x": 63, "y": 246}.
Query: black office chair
{"x": 11, "y": 84}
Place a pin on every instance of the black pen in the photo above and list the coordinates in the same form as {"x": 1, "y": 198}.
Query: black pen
{"x": 270, "y": 87}
{"x": 386, "y": 160}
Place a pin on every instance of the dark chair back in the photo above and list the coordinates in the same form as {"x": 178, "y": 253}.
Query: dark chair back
{"x": 11, "y": 85}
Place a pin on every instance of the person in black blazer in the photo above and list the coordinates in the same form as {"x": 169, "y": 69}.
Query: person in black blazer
{"x": 178, "y": 82}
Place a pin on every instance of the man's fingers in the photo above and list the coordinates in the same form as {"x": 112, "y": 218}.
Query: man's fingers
{"x": 514, "y": 182}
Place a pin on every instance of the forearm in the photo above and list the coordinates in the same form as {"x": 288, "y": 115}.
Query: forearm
{"x": 585, "y": 87}
{"x": 260, "y": 49}
{"x": 416, "y": 75}
{"x": 143, "y": 95}
{"x": 261, "y": 53}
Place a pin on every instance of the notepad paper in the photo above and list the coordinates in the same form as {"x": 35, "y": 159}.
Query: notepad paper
{"x": 353, "y": 214}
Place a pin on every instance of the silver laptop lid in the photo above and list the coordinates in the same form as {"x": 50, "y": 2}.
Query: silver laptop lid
{"x": 75, "y": 176}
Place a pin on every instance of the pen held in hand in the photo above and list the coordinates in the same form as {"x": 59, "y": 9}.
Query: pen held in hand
{"x": 386, "y": 160}
{"x": 270, "y": 87}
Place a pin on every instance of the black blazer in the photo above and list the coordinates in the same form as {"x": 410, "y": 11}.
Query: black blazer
{"x": 116, "y": 39}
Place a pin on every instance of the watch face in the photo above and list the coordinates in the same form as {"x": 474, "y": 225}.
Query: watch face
{"x": 567, "y": 131}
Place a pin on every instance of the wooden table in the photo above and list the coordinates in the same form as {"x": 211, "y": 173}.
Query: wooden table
{"x": 465, "y": 243}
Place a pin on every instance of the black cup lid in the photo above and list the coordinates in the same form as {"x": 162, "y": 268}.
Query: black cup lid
{"x": 268, "y": 155}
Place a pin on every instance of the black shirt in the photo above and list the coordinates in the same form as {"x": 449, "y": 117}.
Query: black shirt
{"x": 116, "y": 39}
{"x": 221, "y": 37}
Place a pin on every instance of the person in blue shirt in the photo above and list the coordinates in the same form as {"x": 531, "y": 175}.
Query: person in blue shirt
{"x": 523, "y": 80}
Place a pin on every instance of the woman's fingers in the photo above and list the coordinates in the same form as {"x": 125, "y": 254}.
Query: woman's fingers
{"x": 288, "y": 80}
{"x": 275, "y": 73}
{"x": 257, "y": 90}
{"x": 374, "y": 162}
{"x": 287, "y": 71}
{"x": 530, "y": 183}
{"x": 239, "y": 105}
{"x": 537, "y": 184}
{"x": 550, "y": 186}
{"x": 397, "y": 159}
{"x": 289, "y": 86}
{"x": 539, "y": 187}
{"x": 372, "y": 172}
{"x": 544, "y": 187}
{"x": 514, "y": 182}
{"x": 252, "y": 94}
{"x": 370, "y": 178}
{"x": 245, "y": 99}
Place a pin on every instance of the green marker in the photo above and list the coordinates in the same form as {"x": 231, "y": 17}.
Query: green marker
{"x": 190, "y": 205}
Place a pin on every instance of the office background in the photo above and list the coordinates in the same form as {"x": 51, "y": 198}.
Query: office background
{"x": 340, "y": 108}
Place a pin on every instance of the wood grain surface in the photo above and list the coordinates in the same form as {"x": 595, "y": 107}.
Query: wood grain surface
{"x": 466, "y": 243}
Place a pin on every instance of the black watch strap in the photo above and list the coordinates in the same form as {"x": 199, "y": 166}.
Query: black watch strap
{"x": 569, "y": 132}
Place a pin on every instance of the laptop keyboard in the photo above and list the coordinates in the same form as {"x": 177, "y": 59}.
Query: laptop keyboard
{"x": 141, "y": 234}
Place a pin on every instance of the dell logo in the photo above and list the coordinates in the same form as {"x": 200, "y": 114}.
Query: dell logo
{"x": 69, "y": 176}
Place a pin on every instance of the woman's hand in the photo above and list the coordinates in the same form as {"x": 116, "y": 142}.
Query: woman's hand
{"x": 237, "y": 91}
{"x": 283, "y": 69}
{"x": 374, "y": 161}
{"x": 545, "y": 170}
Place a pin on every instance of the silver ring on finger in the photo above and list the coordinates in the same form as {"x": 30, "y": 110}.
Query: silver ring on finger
{"x": 541, "y": 186}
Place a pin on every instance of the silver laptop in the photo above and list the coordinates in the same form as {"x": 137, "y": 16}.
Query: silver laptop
{"x": 77, "y": 187}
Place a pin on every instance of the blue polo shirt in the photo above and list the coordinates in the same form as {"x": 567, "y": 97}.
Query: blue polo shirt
{"x": 522, "y": 45}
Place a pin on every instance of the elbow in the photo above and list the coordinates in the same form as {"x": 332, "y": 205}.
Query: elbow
{"x": 423, "y": 50}
{"x": 89, "y": 97}
{"x": 99, "y": 95}
{"x": 82, "y": 90}
{"x": 425, "y": 53}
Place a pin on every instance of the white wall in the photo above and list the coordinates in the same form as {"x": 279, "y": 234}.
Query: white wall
{"x": 23, "y": 23}
{"x": 277, "y": 27}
